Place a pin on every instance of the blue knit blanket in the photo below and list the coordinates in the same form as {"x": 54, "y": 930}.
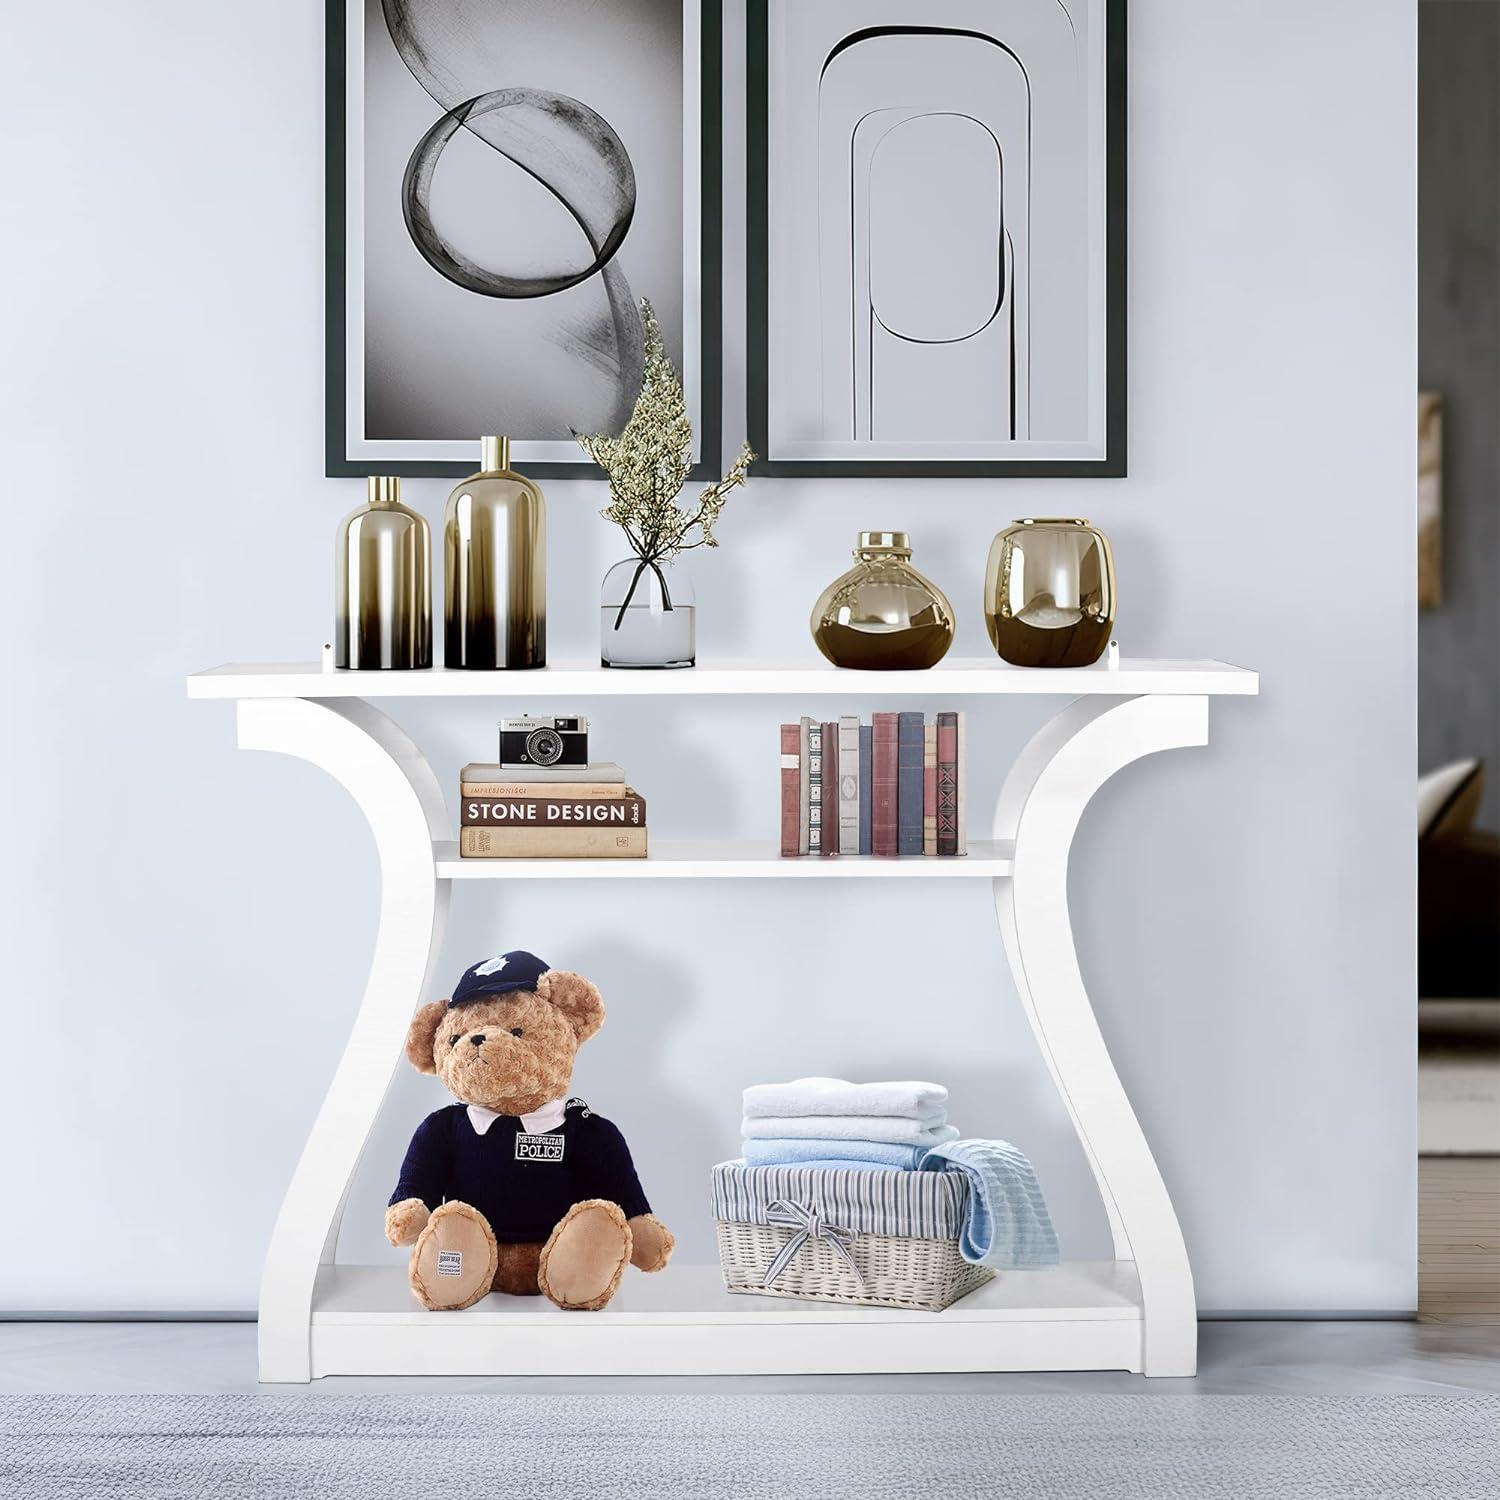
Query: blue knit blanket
{"x": 1008, "y": 1226}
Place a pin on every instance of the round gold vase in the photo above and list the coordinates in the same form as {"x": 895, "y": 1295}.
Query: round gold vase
{"x": 883, "y": 615}
{"x": 1049, "y": 593}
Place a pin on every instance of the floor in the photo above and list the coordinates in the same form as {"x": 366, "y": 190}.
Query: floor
{"x": 1241, "y": 1358}
{"x": 761, "y": 1445}
{"x": 1458, "y": 1242}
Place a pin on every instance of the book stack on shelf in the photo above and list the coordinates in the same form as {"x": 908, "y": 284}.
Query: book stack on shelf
{"x": 550, "y": 812}
{"x": 891, "y": 787}
{"x": 544, "y": 798}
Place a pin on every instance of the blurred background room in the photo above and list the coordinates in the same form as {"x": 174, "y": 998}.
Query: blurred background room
{"x": 1458, "y": 658}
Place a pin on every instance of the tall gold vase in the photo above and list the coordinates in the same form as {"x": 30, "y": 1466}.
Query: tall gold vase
{"x": 495, "y": 567}
{"x": 383, "y": 610}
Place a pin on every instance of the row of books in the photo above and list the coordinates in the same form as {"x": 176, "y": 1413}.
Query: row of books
{"x": 549, "y": 812}
{"x": 891, "y": 787}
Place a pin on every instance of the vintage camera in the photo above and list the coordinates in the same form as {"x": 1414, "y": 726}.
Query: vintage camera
{"x": 544, "y": 742}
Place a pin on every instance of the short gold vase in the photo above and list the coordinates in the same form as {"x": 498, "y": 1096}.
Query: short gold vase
{"x": 883, "y": 615}
{"x": 1049, "y": 593}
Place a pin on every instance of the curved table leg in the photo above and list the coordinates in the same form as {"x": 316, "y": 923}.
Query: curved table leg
{"x": 1044, "y": 796}
{"x": 385, "y": 773}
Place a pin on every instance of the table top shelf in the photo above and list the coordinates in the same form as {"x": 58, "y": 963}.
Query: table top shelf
{"x": 689, "y": 859}
{"x": 957, "y": 677}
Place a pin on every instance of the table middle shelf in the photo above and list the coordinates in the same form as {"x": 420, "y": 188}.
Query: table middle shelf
{"x": 684, "y": 859}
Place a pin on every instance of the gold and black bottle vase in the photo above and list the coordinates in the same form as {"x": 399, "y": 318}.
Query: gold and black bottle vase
{"x": 384, "y": 584}
{"x": 495, "y": 567}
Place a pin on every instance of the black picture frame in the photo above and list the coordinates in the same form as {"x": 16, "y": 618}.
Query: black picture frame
{"x": 337, "y": 463}
{"x": 1111, "y": 466}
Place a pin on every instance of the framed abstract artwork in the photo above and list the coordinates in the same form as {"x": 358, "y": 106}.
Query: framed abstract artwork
{"x": 507, "y": 179}
{"x": 936, "y": 252}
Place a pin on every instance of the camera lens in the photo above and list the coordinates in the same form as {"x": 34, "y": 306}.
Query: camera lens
{"x": 543, "y": 746}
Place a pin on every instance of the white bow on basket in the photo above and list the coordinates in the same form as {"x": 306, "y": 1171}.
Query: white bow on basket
{"x": 809, "y": 1225}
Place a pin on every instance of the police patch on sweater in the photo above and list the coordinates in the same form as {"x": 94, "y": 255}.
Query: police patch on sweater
{"x": 548, "y": 1147}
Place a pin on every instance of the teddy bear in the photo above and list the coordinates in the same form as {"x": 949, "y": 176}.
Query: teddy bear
{"x": 517, "y": 1188}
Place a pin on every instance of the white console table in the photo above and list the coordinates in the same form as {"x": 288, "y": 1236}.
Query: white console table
{"x": 1135, "y": 1312}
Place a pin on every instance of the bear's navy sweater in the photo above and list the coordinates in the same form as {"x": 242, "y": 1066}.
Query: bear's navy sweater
{"x": 523, "y": 1184}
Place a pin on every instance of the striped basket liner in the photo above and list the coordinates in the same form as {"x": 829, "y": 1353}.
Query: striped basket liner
{"x": 899, "y": 1229}
{"x": 922, "y": 1205}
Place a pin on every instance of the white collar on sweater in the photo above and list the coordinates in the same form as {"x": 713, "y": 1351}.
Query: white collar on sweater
{"x": 548, "y": 1117}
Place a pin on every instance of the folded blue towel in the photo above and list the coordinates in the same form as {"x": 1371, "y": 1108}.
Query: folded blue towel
{"x": 830, "y": 1164}
{"x": 1008, "y": 1226}
{"x": 782, "y": 1151}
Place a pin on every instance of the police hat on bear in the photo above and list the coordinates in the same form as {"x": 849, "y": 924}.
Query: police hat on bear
{"x": 517, "y": 970}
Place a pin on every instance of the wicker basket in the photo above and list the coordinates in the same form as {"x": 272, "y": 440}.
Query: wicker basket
{"x": 872, "y": 1237}
{"x": 898, "y": 1270}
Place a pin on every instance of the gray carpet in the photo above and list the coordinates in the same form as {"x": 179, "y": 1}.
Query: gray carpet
{"x": 782, "y": 1447}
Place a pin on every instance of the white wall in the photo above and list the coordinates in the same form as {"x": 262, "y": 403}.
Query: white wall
{"x": 187, "y": 929}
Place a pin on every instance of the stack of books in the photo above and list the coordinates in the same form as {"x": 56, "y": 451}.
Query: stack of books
{"x": 891, "y": 787}
{"x": 549, "y": 812}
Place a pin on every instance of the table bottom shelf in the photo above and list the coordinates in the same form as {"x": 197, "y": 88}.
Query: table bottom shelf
{"x": 1082, "y": 1315}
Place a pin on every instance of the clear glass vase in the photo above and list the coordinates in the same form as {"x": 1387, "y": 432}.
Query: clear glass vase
{"x": 646, "y": 615}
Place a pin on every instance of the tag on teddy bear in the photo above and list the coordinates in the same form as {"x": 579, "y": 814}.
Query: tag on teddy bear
{"x": 450, "y": 1263}
{"x": 545, "y": 1147}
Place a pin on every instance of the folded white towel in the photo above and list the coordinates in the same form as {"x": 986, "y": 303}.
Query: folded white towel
{"x": 848, "y": 1128}
{"x": 911, "y": 1099}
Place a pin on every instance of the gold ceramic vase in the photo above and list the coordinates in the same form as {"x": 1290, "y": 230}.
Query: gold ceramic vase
{"x": 883, "y": 615}
{"x": 384, "y": 599}
{"x": 495, "y": 567}
{"x": 1049, "y": 593}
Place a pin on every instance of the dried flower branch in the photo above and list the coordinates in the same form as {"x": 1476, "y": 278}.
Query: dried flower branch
{"x": 649, "y": 462}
